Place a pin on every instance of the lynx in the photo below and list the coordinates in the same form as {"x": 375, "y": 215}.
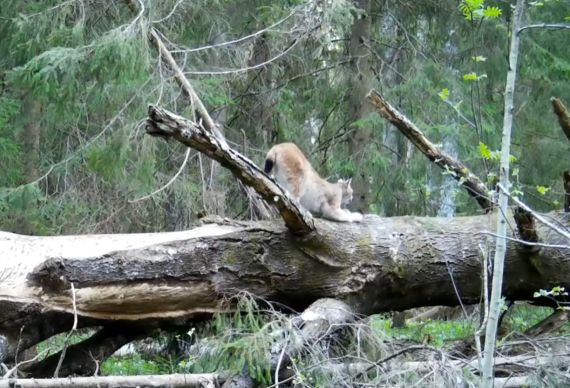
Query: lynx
{"x": 294, "y": 172}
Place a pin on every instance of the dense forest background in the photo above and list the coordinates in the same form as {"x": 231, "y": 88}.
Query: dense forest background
{"x": 76, "y": 78}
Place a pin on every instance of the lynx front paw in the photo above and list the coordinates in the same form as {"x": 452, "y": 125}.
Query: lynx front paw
{"x": 356, "y": 217}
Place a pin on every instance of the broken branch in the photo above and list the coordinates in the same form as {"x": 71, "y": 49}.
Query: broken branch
{"x": 563, "y": 115}
{"x": 166, "y": 124}
{"x": 475, "y": 187}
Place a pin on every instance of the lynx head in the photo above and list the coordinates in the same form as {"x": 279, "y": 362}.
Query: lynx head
{"x": 346, "y": 190}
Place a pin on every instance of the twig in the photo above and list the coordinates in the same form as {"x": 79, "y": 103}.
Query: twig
{"x": 169, "y": 15}
{"x": 550, "y": 26}
{"x": 68, "y": 337}
{"x": 402, "y": 351}
{"x": 15, "y": 368}
{"x": 535, "y": 214}
{"x": 517, "y": 240}
{"x": 90, "y": 142}
{"x": 186, "y": 158}
{"x": 253, "y": 35}
{"x": 450, "y": 272}
{"x": 281, "y": 355}
{"x": 253, "y": 67}
{"x": 461, "y": 115}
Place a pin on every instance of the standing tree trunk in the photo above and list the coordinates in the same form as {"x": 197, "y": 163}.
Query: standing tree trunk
{"x": 31, "y": 140}
{"x": 357, "y": 108}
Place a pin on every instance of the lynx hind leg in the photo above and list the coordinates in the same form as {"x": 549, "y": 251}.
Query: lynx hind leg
{"x": 341, "y": 215}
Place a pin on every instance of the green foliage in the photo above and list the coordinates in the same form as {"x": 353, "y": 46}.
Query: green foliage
{"x": 484, "y": 151}
{"x": 132, "y": 365}
{"x": 542, "y": 190}
{"x": 10, "y": 153}
{"x": 437, "y": 332}
{"x": 492, "y": 12}
{"x": 476, "y": 9}
{"x": 242, "y": 341}
{"x": 444, "y": 94}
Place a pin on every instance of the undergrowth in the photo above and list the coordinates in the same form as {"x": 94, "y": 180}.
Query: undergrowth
{"x": 247, "y": 337}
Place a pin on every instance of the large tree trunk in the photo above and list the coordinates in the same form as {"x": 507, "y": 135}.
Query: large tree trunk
{"x": 380, "y": 265}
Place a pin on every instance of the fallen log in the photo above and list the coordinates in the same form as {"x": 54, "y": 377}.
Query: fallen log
{"x": 382, "y": 264}
{"x": 174, "y": 380}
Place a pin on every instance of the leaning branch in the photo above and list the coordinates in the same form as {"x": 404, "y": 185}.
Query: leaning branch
{"x": 475, "y": 187}
{"x": 167, "y": 124}
{"x": 563, "y": 115}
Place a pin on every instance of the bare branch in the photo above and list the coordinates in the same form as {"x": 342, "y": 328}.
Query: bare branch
{"x": 535, "y": 214}
{"x": 235, "y": 41}
{"x": 459, "y": 171}
{"x": 563, "y": 115}
{"x": 186, "y": 158}
{"x": 248, "y": 68}
{"x": 186, "y": 86}
{"x": 549, "y": 26}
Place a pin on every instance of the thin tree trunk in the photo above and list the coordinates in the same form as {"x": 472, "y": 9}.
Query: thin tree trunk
{"x": 501, "y": 242}
{"x": 32, "y": 137}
